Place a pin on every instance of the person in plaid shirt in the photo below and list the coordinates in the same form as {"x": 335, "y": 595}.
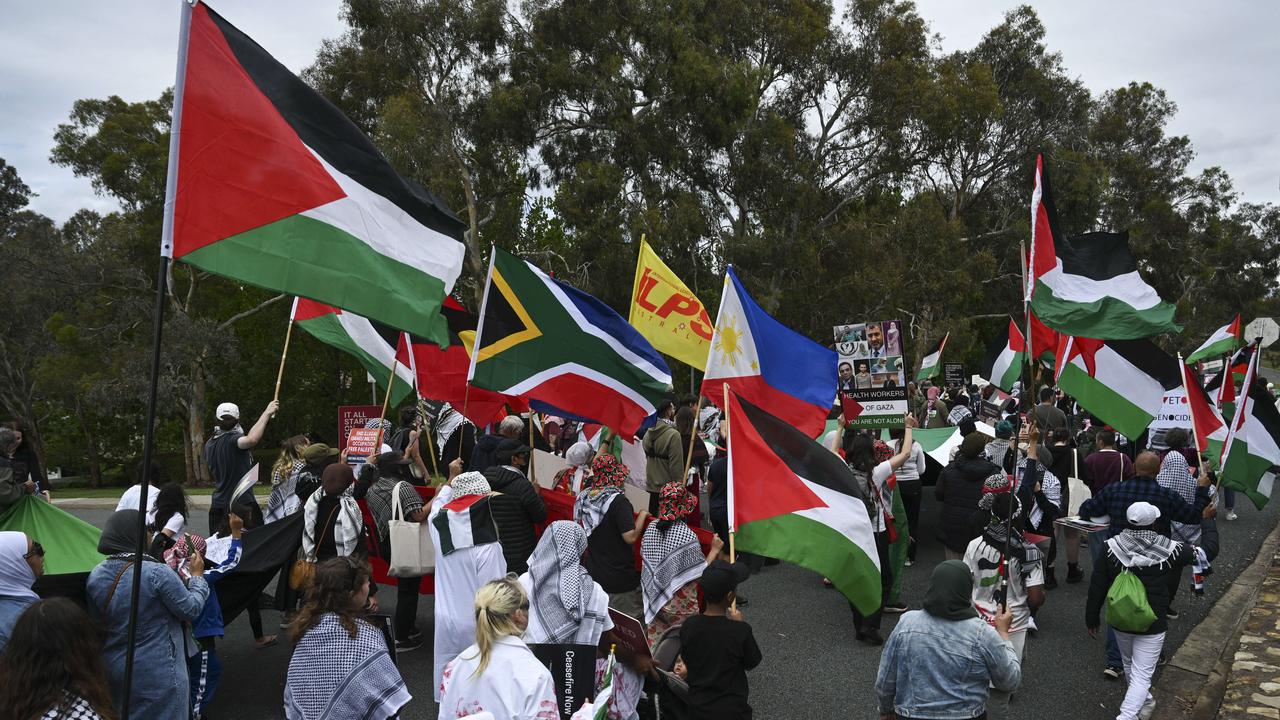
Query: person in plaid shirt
{"x": 393, "y": 468}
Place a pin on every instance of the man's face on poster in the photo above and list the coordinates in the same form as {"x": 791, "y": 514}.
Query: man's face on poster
{"x": 875, "y": 337}
{"x": 846, "y": 371}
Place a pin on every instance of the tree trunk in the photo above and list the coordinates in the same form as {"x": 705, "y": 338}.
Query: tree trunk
{"x": 188, "y": 458}
{"x": 91, "y": 443}
{"x": 195, "y": 426}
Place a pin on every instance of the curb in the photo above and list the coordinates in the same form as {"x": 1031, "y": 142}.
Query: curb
{"x": 195, "y": 502}
{"x": 1192, "y": 685}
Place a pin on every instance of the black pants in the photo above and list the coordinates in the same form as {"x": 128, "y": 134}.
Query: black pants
{"x": 255, "y": 616}
{"x": 216, "y": 515}
{"x": 912, "y": 491}
{"x": 406, "y": 619}
{"x": 872, "y": 621}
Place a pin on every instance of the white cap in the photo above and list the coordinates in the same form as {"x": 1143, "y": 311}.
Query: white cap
{"x": 1142, "y": 514}
{"x": 227, "y": 409}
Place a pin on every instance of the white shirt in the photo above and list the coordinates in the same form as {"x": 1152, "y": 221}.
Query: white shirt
{"x": 176, "y": 523}
{"x": 129, "y": 500}
{"x": 514, "y": 685}
{"x": 984, "y": 562}
{"x": 915, "y": 466}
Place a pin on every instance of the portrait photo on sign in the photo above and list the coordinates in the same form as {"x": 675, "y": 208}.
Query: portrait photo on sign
{"x": 869, "y": 355}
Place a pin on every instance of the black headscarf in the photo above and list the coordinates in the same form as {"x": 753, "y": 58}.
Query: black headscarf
{"x": 120, "y": 535}
{"x": 950, "y": 592}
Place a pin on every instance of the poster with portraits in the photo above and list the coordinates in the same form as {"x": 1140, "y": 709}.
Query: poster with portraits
{"x": 871, "y": 371}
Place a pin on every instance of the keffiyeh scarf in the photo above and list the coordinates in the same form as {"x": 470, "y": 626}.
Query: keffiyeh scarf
{"x": 1049, "y": 485}
{"x": 447, "y": 422}
{"x": 284, "y": 496}
{"x": 562, "y": 594}
{"x": 347, "y": 525}
{"x": 607, "y": 480}
{"x": 1141, "y": 548}
{"x": 178, "y": 557}
{"x": 1199, "y": 568}
{"x": 672, "y": 558}
{"x": 333, "y": 675}
{"x": 1175, "y": 475}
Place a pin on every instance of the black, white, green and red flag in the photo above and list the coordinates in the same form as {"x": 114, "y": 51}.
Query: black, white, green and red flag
{"x": 931, "y": 365}
{"x": 1043, "y": 343}
{"x": 1235, "y": 368}
{"x": 1088, "y": 285}
{"x": 1253, "y": 445}
{"x": 1005, "y": 359}
{"x": 1225, "y": 339}
{"x": 357, "y": 337}
{"x": 1210, "y": 428}
{"x": 792, "y": 499}
{"x": 271, "y": 185}
{"x": 465, "y": 522}
{"x": 1122, "y": 382}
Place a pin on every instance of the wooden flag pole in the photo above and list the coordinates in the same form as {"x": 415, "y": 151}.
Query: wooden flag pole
{"x": 431, "y": 448}
{"x": 466, "y": 398}
{"x": 283, "y": 354}
{"x": 688, "y": 460}
{"x": 724, "y": 431}
{"x": 386, "y": 400}
{"x": 532, "y": 481}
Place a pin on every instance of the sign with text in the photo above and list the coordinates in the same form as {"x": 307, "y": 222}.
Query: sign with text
{"x": 630, "y": 633}
{"x": 362, "y": 443}
{"x": 573, "y": 673}
{"x": 871, "y": 372}
{"x": 953, "y": 374}
{"x": 1174, "y": 412}
{"x": 354, "y": 416}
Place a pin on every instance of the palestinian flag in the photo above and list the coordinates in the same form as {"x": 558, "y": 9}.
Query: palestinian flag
{"x": 1005, "y": 359}
{"x": 1123, "y": 382}
{"x": 357, "y": 337}
{"x": 71, "y": 544}
{"x": 939, "y": 443}
{"x": 442, "y": 370}
{"x": 1044, "y": 339}
{"x": 270, "y": 184}
{"x": 932, "y": 363}
{"x": 465, "y": 522}
{"x": 567, "y": 352}
{"x": 1210, "y": 428}
{"x": 1253, "y": 446}
{"x": 604, "y": 698}
{"x": 793, "y": 499}
{"x": 1224, "y": 340}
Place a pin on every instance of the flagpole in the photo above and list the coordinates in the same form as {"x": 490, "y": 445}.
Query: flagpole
{"x": 688, "y": 461}
{"x": 386, "y": 400}
{"x": 162, "y": 275}
{"x": 1241, "y": 401}
{"x": 288, "y": 333}
{"x": 532, "y": 481}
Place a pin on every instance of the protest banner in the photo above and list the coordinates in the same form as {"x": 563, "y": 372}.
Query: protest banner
{"x": 573, "y": 673}
{"x": 354, "y": 416}
{"x": 871, "y": 372}
{"x": 1174, "y": 412}
{"x": 361, "y": 444}
{"x": 953, "y": 374}
{"x": 630, "y": 633}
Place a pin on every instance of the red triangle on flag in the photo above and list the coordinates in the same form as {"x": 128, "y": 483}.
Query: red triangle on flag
{"x": 763, "y": 486}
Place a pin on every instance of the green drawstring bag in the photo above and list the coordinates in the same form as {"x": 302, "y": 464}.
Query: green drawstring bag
{"x": 1127, "y": 606}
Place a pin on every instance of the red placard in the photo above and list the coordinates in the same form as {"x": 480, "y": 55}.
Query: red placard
{"x": 630, "y": 633}
{"x": 362, "y": 442}
{"x": 354, "y": 416}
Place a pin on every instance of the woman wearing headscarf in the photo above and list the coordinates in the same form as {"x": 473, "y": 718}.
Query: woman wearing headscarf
{"x": 572, "y": 479}
{"x": 455, "y": 435}
{"x": 468, "y": 555}
{"x": 939, "y": 662}
{"x": 959, "y": 488}
{"x": 333, "y": 525}
{"x": 160, "y": 683}
{"x": 21, "y": 562}
{"x": 935, "y": 409}
{"x": 612, "y": 529}
{"x": 341, "y": 667}
{"x": 671, "y": 563}
{"x": 1152, "y": 558}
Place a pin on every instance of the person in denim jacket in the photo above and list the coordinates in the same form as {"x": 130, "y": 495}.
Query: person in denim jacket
{"x": 938, "y": 662}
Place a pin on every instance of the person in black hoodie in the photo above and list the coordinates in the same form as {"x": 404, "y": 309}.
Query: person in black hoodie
{"x": 1152, "y": 557}
{"x": 959, "y": 489}
{"x": 1064, "y": 467}
{"x": 519, "y": 507}
{"x": 484, "y": 455}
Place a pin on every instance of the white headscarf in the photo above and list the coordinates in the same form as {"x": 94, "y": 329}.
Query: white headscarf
{"x": 470, "y": 483}
{"x": 579, "y": 456}
{"x": 16, "y": 576}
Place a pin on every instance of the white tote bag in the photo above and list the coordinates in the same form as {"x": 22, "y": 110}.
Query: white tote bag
{"x": 412, "y": 554}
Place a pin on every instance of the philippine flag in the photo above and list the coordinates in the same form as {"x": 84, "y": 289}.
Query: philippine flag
{"x": 769, "y": 364}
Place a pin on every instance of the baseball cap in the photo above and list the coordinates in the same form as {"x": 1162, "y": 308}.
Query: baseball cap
{"x": 509, "y": 448}
{"x": 226, "y": 409}
{"x": 318, "y": 451}
{"x": 720, "y": 578}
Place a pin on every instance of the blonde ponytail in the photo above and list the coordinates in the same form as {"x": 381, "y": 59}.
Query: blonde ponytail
{"x": 496, "y": 604}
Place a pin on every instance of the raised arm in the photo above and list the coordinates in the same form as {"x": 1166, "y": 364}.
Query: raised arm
{"x": 904, "y": 452}
{"x": 254, "y": 436}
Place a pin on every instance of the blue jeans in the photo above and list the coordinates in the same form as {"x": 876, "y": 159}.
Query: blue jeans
{"x": 1096, "y": 545}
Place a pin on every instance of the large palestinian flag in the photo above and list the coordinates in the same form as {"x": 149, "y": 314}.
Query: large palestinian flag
{"x": 1207, "y": 423}
{"x": 1089, "y": 285}
{"x": 359, "y": 338}
{"x": 1253, "y": 445}
{"x": 931, "y": 365}
{"x": 564, "y": 350}
{"x": 270, "y": 184}
{"x": 1223, "y": 341}
{"x": 1122, "y": 382}
{"x": 1005, "y": 359}
{"x": 792, "y": 499}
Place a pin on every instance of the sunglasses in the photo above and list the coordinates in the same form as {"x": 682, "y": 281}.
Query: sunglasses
{"x": 36, "y": 549}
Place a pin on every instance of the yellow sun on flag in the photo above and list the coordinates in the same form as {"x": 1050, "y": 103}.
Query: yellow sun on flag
{"x": 729, "y": 340}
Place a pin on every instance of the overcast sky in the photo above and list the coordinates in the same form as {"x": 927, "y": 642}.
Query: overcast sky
{"x": 1216, "y": 60}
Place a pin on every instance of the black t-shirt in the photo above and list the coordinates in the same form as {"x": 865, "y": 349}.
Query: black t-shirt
{"x": 718, "y": 652}
{"x": 227, "y": 463}
{"x": 610, "y": 560}
{"x": 326, "y": 517}
{"x": 718, "y": 476}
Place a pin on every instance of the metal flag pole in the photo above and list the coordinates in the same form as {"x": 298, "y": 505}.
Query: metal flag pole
{"x": 162, "y": 274}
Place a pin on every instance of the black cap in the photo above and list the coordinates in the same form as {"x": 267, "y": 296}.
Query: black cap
{"x": 720, "y": 578}
{"x": 509, "y": 448}
{"x": 389, "y": 459}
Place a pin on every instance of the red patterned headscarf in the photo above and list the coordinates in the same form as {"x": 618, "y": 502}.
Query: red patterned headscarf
{"x": 608, "y": 474}
{"x": 674, "y": 501}
{"x": 180, "y": 554}
{"x": 882, "y": 451}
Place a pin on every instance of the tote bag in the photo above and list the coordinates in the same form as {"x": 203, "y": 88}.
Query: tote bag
{"x": 412, "y": 554}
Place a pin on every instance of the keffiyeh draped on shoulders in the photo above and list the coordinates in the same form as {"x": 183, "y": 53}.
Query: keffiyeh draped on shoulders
{"x": 564, "y": 604}
{"x": 333, "y": 675}
{"x": 672, "y": 558}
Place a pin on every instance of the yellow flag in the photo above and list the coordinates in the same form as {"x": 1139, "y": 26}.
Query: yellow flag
{"x": 666, "y": 313}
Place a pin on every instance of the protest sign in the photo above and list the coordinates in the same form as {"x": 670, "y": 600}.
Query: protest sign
{"x": 1174, "y": 412}
{"x": 953, "y": 374}
{"x": 573, "y": 673}
{"x": 354, "y": 416}
{"x": 630, "y": 633}
{"x": 871, "y": 372}
{"x": 361, "y": 444}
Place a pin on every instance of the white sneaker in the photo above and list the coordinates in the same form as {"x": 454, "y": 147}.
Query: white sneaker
{"x": 1031, "y": 624}
{"x": 1147, "y": 709}
{"x": 1231, "y": 515}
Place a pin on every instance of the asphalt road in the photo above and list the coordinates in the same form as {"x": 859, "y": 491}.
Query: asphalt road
{"x": 813, "y": 667}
